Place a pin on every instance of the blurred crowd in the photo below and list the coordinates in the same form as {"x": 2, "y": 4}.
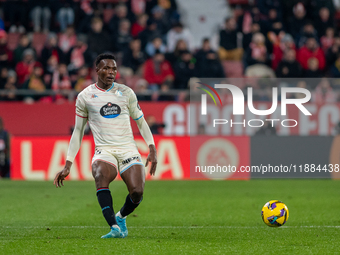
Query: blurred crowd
{"x": 56, "y": 42}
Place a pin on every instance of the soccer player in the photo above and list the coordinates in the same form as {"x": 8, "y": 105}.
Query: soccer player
{"x": 107, "y": 106}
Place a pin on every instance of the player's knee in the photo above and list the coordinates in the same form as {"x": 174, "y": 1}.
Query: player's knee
{"x": 137, "y": 194}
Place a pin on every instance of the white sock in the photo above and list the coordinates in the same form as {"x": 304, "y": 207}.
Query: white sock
{"x": 119, "y": 215}
{"x": 115, "y": 226}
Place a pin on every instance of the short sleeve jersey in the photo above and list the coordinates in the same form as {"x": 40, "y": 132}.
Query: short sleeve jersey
{"x": 108, "y": 113}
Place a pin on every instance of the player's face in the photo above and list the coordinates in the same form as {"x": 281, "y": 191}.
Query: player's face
{"x": 107, "y": 71}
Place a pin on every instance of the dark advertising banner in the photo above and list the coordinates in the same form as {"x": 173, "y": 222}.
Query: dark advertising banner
{"x": 291, "y": 157}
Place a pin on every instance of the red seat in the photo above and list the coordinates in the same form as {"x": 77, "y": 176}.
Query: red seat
{"x": 233, "y": 69}
{"x": 38, "y": 42}
{"x": 13, "y": 40}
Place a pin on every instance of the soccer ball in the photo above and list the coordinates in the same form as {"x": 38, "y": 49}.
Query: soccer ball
{"x": 275, "y": 213}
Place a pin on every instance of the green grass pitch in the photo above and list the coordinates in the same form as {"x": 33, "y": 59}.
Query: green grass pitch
{"x": 175, "y": 217}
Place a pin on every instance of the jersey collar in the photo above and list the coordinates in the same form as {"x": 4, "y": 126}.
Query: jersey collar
{"x": 113, "y": 84}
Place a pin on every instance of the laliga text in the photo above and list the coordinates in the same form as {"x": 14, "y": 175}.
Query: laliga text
{"x": 268, "y": 168}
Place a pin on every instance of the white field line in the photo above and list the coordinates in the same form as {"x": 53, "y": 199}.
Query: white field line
{"x": 162, "y": 227}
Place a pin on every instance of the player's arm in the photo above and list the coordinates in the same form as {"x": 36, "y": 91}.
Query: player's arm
{"x": 73, "y": 149}
{"x": 137, "y": 114}
{"x": 145, "y": 131}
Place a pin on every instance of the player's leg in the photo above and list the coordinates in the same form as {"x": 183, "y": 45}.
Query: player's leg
{"x": 104, "y": 173}
{"x": 134, "y": 178}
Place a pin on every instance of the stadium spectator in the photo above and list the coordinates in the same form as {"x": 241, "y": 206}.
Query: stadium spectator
{"x": 25, "y": 67}
{"x": 317, "y": 5}
{"x": 170, "y": 7}
{"x": 83, "y": 80}
{"x": 313, "y": 70}
{"x": 79, "y": 55}
{"x": 178, "y": 32}
{"x": 35, "y": 81}
{"x": 121, "y": 13}
{"x": 310, "y": 50}
{"x": 40, "y": 11}
{"x": 86, "y": 13}
{"x": 154, "y": 126}
{"x": 157, "y": 70}
{"x": 203, "y": 51}
{"x": 267, "y": 129}
{"x": 2, "y": 24}
{"x": 122, "y": 36}
{"x": 328, "y": 39}
{"x": 161, "y": 20}
{"x": 64, "y": 13}
{"x": 335, "y": 68}
{"x": 51, "y": 48}
{"x": 333, "y": 52}
{"x": 15, "y": 13}
{"x": 265, "y": 6}
{"x": 51, "y": 66}
{"x": 254, "y": 28}
{"x": 67, "y": 39}
{"x": 298, "y": 20}
{"x": 6, "y": 55}
{"x": 307, "y": 32}
{"x": 133, "y": 57}
{"x": 324, "y": 21}
{"x": 10, "y": 87}
{"x": 99, "y": 40}
{"x": 281, "y": 44}
{"x": 324, "y": 93}
{"x": 24, "y": 43}
{"x": 174, "y": 56}
{"x": 4, "y": 151}
{"x": 228, "y": 42}
{"x": 149, "y": 33}
{"x": 142, "y": 90}
{"x": 257, "y": 52}
{"x": 210, "y": 66}
{"x": 139, "y": 25}
{"x": 184, "y": 69}
{"x": 300, "y": 84}
{"x": 164, "y": 92}
{"x": 289, "y": 67}
{"x": 245, "y": 21}
{"x": 3, "y": 76}
{"x": 155, "y": 44}
{"x": 61, "y": 79}
{"x": 273, "y": 23}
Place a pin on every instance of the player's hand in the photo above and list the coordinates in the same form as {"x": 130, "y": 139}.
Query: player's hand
{"x": 152, "y": 158}
{"x": 60, "y": 176}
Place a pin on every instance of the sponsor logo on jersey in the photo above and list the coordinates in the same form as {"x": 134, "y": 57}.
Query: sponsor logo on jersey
{"x": 128, "y": 160}
{"x": 110, "y": 111}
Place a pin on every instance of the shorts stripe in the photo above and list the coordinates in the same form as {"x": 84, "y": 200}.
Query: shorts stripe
{"x": 106, "y": 162}
{"x": 137, "y": 163}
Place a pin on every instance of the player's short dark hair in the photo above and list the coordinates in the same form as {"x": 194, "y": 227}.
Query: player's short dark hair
{"x": 102, "y": 56}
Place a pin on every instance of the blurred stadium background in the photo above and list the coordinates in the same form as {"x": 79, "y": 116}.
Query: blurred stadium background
{"x": 47, "y": 49}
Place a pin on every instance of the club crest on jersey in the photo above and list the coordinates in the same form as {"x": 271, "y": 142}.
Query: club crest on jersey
{"x": 110, "y": 111}
{"x": 119, "y": 93}
{"x": 94, "y": 96}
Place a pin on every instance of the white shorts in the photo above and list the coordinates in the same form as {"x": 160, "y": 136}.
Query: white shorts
{"x": 120, "y": 159}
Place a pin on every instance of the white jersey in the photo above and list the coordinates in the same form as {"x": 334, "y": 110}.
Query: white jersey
{"x": 108, "y": 113}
